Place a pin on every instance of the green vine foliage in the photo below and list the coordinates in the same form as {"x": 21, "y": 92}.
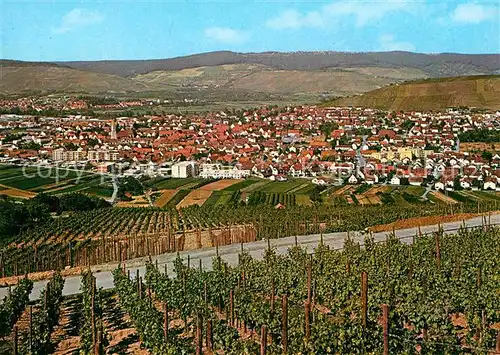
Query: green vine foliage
{"x": 44, "y": 320}
{"x": 147, "y": 320}
{"x": 13, "y": 305}
{"x": 424, "y": 294}
{"x": 86, "y": 336}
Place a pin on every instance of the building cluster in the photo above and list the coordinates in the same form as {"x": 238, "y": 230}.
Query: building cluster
{"x": 67, "y": 103}
{"x": 327, "y": 144}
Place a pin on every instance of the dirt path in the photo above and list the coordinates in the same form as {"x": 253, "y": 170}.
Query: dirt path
{"x": 122, "y": 336}
{"x": 428, "y": 220}
{"x": 65, "y": 337}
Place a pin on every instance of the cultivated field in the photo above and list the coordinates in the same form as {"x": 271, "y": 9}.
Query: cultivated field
{"x": 220, "y": 184}
{"x": 442, "y": 197}
{"x": 166, "y": 195}
{"x": 16, "y": 193}
{"x": 195, "y": 197}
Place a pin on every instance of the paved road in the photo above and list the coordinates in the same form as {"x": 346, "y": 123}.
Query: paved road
{"x": 230, "y": 253}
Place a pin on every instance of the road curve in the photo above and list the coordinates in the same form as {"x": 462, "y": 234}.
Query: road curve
{"x": 256, "y": 249}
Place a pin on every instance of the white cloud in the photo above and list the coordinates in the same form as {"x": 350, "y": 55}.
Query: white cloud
{"x": 474, "y": 13}
{"x": 389, "y": 43}
{"x": 294, "y": 19}
{"x": 226, "y": 35}
{"x": 364, "y": 13}
{"x": 77, "y": 19}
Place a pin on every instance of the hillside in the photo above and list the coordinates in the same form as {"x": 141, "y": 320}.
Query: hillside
{"x": 17, "y": 77}
{"x": 434, "y": 65}
{"x": 230, "y": 76}
{"x": 259, "y": 78}
{"x": 431, "y": 94}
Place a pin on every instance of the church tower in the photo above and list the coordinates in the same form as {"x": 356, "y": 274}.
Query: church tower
{"x": 113, "y": 129}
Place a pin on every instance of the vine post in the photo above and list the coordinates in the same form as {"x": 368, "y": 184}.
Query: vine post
{"x": 438, "y": 251}
{"x": 309, "y": 277}
{"x": 199, "y": 334}
{"x": 15, "y": 340}
{"x": 263, "y": 340}
{"x": 307, "y": 312}
{"x": 385, "y": 322}
{"x": 98, "y": 344}
{"x": 231, "y": 308}
{"x": 165, "y": 322}
{"x": 209, "y": 340}
{"x": 272, "y": 294}
{"x": 364, "y": 298}
{"x": 92, "y": 310}
{"x": 284, "y": 324}
{"x": 31, "y": 329}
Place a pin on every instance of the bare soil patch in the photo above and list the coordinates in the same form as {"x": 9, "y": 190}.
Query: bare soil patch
{"x": 220, "y": 184}
{"x": 165, "y": 197}
{"x": 195, "y": 197}
{"x": 443, "y": 197}
{"x": 13, "y": 192}
{"x": 424, "y": 221}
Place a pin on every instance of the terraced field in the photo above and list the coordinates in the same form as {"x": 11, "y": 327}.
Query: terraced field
{"x": 166, "y": 195}
{"x": 195, "y": 197}
{"x": 37, "y": 178}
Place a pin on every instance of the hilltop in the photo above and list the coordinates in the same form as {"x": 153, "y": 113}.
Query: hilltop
{"x": 431, "y": 94}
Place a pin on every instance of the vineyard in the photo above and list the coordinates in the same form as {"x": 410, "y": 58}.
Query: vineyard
{"x": 438, "y": 295}
{"x": 273, "y": 199}
{"x": 116, "y": 234}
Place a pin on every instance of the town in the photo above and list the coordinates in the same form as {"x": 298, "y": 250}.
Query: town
{"x": 328, "y": 145}
{"x": 250, "y": 177}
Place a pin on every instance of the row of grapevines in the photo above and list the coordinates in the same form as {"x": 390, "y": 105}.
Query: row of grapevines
{"x": 146, "y": 318}
{"x": 430, "y": 287}
{"x": 92, "y": 337}
{"x": 189, "y": 296}
{"x": 13, "y": 305}
{"x": 44, "y": 319}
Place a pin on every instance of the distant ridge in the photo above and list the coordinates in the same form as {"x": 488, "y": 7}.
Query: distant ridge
{"x": 230, "y": 76}
{"x": 435, "y": 65}
{"x": 431, "y": 94}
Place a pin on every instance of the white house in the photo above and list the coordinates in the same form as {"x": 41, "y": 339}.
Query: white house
{"x": 219, "y": 171}
{"x": 439, "y": 185}
{"x": 184, "y": 169}
{"x": 489, "y": 185}
{"x": 396, "y": 180}
{"x": 352, "y": 179}
{"x": 319, "y": 181}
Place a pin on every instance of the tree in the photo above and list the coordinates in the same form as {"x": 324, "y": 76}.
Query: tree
{"x": 487, "y": 155}
{"x": 15, "y": 217}
{"x": 70, "y": 146}
{"x": 81, "y": 202}
{"x": 327, "y": 128}
{"x": 316, "y": 194}
{"x": 456, "y": 183}
{"x": 407, "y": 125}
{"x": 131, "y": 185}
{"x": 51, "y": 202}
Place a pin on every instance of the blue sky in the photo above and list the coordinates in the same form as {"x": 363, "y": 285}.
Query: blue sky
{"x": 53, "y": 30}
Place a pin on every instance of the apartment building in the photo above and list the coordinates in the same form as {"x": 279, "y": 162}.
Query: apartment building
{"x": 219, "y": 171}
